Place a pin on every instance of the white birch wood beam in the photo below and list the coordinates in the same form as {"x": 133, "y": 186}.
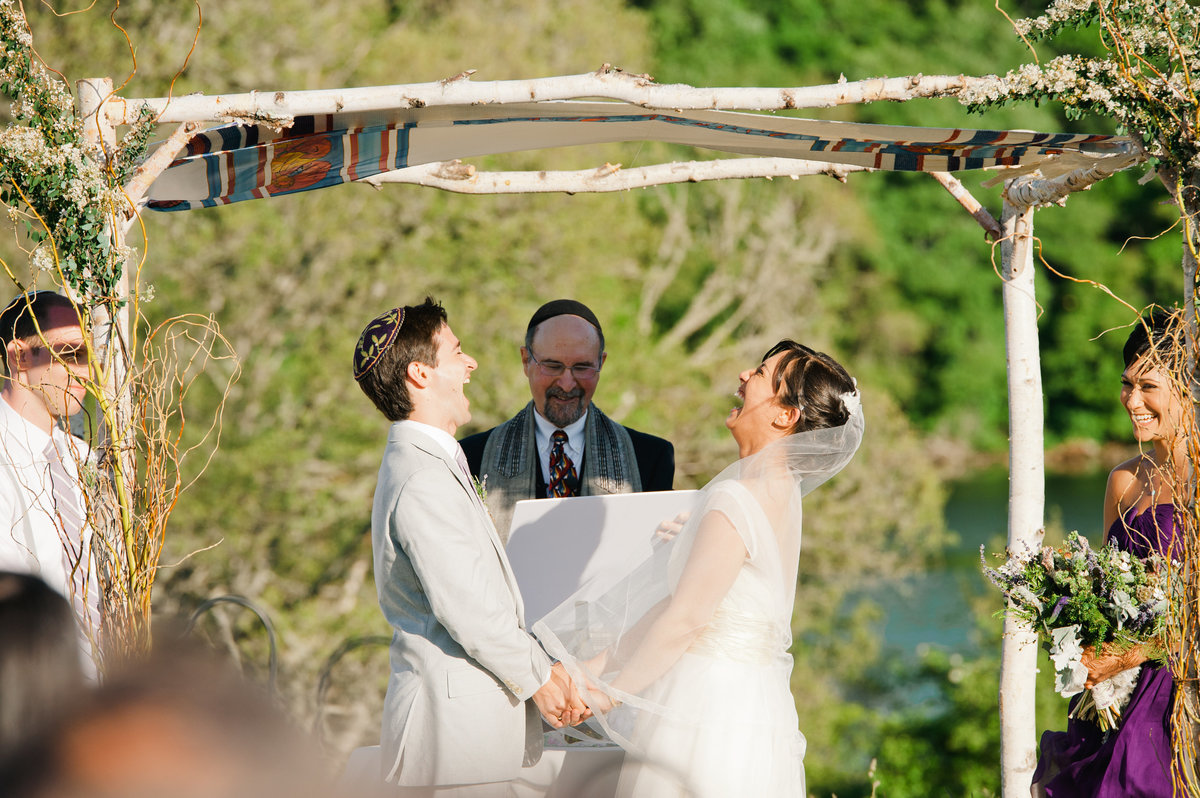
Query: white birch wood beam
{"x": 279, "y": 107}
{"x": 1026, "y": 493}
{"x": 1048, "y": 191}
{"x": 462, "y": 178}
{"x": 139, "y": 185}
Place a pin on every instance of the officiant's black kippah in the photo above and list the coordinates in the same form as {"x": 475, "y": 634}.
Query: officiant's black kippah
{"x": 564, "y": 307}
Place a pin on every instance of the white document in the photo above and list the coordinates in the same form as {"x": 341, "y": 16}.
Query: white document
{"x": 560, "y": 546}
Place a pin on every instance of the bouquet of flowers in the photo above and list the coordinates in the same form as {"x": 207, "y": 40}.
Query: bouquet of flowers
{"x": 1074, "y": 597}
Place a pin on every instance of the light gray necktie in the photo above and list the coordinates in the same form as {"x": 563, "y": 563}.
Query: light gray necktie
{"x": 460, "y": 457}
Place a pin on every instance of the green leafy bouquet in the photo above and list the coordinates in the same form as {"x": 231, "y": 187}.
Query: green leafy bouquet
{"x": 1075, "y": 596}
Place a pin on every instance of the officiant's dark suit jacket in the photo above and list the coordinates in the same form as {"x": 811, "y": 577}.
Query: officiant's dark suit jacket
{"x": 462, "y": 665}
{"x": 655, "y": 460}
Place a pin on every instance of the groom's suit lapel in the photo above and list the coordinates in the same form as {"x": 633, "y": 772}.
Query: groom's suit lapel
{"x": 431, "y": 447}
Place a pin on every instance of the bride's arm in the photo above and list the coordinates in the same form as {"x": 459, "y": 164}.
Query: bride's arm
{"x": 711, "y": 568}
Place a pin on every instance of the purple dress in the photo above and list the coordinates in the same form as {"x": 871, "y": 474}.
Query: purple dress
{"x": 1135, "y": 759}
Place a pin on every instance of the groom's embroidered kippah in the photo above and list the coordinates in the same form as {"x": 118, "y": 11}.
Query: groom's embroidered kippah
{"x": 376, "y": 337}
{"x": 564, "y": 307}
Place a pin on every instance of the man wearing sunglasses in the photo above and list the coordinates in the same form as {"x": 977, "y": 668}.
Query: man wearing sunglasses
{"x": 43, "y": 521}
{"x": 560, "y": 444}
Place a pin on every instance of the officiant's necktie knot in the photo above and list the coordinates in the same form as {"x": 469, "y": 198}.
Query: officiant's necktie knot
{"x": 563, "y": 480}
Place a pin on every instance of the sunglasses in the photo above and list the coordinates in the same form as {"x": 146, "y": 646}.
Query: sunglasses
{"x": 73, "y": 354}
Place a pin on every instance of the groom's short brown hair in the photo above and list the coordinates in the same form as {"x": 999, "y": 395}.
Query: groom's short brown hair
{"x": 385, "y": 383}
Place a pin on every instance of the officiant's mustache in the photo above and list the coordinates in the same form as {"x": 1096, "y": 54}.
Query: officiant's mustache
{"x": 555, "y": 392}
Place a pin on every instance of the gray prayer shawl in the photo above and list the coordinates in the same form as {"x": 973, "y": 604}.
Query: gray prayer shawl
{"x": 510, "y": 463}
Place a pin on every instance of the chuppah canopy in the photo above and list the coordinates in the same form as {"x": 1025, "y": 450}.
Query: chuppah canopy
{"x": 238, "y": 162}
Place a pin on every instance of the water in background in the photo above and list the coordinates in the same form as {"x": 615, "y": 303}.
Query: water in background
{"x": 935, "y": 607}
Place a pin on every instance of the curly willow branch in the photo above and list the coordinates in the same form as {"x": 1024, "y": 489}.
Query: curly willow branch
{"x": 1184, "y": 620}
{"x": 174, "y": 356}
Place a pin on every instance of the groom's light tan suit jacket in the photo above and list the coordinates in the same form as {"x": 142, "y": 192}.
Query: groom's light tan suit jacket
{"x": 462, "y": 665}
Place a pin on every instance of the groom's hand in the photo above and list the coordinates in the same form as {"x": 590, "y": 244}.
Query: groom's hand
{"x": 559, "y": 701}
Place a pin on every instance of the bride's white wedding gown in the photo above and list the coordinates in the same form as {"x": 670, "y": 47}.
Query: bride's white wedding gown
{"x": 714, "y": 717}
{"x": 730, "y": 726}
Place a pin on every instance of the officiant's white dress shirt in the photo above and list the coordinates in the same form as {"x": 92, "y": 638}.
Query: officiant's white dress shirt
{"x": 31, "y": 537}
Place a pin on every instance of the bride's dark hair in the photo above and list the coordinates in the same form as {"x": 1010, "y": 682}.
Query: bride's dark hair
{"x": 812, "y": 382}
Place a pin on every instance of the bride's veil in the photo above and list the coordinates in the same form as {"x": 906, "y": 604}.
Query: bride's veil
{"x": 758, "y": 496}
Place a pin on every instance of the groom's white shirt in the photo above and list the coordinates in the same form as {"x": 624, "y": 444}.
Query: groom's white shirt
{"x": 462, "y": 664}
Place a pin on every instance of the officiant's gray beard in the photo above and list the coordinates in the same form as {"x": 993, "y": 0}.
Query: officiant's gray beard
{"x": 567, "y": 412}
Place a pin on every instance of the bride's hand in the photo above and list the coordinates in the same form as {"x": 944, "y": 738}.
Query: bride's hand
{"x": 594, "y": 695}
{"x": 599, "y": 703}
{"x": 667, "y": 530}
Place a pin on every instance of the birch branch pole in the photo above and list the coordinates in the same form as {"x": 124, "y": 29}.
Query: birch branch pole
{"x": 137, "y": 189}
{"x": 279, "y": 107}
{"x": 462, "y": 178}
{"x": 972, "y": 206}
{"x": 1027, "y": 492}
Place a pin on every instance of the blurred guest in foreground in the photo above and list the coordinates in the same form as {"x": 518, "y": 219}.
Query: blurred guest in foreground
{"x": 40, "y": 672}
{"x": 177, "y": 725}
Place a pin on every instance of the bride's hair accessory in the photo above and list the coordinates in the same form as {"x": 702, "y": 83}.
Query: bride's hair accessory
{"x": 852, "y": 401}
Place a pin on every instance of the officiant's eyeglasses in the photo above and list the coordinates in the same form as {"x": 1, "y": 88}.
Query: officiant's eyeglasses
{"x": 552, "y": 368}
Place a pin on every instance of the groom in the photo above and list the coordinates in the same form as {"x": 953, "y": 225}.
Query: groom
{"x": 467, "y": 682}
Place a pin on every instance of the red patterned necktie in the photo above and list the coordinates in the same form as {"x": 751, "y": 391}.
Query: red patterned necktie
{"x": 563, "y": 481}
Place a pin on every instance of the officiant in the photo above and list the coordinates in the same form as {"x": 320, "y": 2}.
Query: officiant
{"x": 561, "y": 444}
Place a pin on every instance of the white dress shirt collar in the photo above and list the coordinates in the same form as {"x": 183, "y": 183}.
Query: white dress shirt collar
{"x": 443, "y": 438}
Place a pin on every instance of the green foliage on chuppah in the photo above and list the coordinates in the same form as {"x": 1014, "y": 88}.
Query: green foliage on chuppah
{"x": 62, "y": 196}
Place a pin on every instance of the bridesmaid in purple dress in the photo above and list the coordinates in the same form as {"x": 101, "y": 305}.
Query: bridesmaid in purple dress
{"x": 1139, "y": 516}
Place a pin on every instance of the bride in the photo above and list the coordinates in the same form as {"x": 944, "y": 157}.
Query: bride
{"x": 686, "y": 661}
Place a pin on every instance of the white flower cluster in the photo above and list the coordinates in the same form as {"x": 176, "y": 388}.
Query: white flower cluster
{"x": 1062, "y": 76}
{"x": 26, "y": 150}
{"x": 29, "y": 79}
{"x": 1066, "y": 652}
{"x": 43, "y": 259}
{"x": 1144, "y": 81}
{"x": 1060, "y": 12}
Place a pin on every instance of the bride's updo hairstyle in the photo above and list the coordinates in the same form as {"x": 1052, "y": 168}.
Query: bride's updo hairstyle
{"x": 812, "y": 382}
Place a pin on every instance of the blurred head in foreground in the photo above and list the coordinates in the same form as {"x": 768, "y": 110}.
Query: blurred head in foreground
{"x": 175, "y": 725}
{"x": 40, "y": 671}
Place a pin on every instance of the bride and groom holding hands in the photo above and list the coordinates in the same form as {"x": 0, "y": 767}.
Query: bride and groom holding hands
{"x": 685, "y": 661}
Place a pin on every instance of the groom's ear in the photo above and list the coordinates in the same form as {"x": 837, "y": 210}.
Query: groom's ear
{"x": 418, "y": 373}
